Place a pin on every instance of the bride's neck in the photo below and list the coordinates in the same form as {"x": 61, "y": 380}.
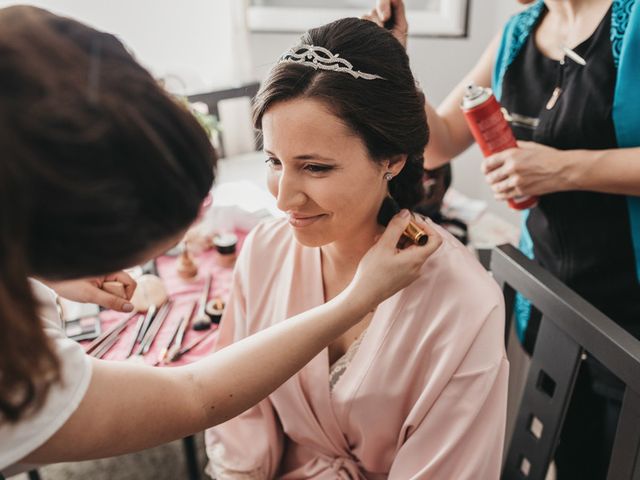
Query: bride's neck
{"x": 340, "y": 259}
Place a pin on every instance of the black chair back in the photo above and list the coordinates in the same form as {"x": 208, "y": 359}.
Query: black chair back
{"x": 211, "y": 99}
{"x": 569, "y": 328}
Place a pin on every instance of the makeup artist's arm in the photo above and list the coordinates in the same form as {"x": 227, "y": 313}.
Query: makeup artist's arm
{"x": 129, "y": 407}
{"x": 449, "y": 134}
{"x": 534, "y": 169}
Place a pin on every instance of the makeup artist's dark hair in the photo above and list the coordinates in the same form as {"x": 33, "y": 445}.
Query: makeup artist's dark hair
{"x": 97, "y": 165}
{"x": 387, "y": 114}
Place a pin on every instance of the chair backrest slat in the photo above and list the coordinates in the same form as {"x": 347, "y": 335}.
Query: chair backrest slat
{"x": 550, "y": 381}
{"x": 211, "y": 99}
{"x": 626, "y": 447}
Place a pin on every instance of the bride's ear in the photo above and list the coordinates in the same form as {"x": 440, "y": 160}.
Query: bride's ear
{"x": 395, "y": 164}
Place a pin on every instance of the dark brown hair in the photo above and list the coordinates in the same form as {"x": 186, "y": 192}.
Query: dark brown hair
{"x": 97, "y": 165}
{"x": 387, "y": 114}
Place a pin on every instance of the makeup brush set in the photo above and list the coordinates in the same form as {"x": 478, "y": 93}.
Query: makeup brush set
{"x": 148, "y": 325}
{"x": 173, "y": 313}
{"x": 198, "y": 319}
{"x": 175, "y": 348}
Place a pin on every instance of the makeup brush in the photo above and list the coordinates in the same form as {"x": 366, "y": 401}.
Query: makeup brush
{"x": 171, "y": 354}
{"x": 183, "y": 328}
{"x": 105, "y": 347}
{"x": 176, "y": 337}
{"x": 413, "y": 232}
{"x": 165, "y": 349}
{"x": 134, "y": 340}
{"x": 202, "y": 321}
{"x": 146, "y": 333}
{"x": 186, "y": 349}
{"x": 151, "y": 313}
{"x": 108, "y": 341}
{"x": 192, "y": 345}
{"x": 152, "y": 333}
{"x": 106, "y": 335}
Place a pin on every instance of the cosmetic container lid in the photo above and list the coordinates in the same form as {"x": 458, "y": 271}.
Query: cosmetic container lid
{"x": 225, "y": 243}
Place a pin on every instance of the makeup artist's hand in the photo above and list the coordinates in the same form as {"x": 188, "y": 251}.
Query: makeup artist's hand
{"x": 89, "y": 290}
{"x": 385, "y": 270}
{"x": 530, "y": 169}
{"x": 382, "y": 13}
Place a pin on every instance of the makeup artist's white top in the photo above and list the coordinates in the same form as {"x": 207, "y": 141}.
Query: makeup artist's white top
{"x": 20, "y": 439}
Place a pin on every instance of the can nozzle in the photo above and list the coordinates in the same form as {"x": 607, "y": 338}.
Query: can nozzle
{"x": 473, "y": 91}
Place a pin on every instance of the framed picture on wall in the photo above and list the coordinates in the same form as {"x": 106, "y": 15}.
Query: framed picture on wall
{"x": 433, "y": 18}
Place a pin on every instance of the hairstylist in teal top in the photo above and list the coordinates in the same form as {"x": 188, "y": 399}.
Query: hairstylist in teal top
{"x": 566, "y": 71}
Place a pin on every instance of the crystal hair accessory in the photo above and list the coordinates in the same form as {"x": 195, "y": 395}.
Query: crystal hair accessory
{"x": 321, "y": 58}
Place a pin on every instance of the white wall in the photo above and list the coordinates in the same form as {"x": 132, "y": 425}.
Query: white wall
{"x": 188, "y": 41}
{"x": 439, "y": 64}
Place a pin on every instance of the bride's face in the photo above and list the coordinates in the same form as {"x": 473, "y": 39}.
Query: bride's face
{"x": 320, "y": 173}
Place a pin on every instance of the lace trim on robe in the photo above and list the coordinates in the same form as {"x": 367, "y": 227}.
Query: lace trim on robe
{"x": 340, "y": 366}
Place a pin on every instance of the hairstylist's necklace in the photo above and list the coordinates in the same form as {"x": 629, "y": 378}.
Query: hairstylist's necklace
{"x": 573, "y": 55}
{"x": 558, "y": 90}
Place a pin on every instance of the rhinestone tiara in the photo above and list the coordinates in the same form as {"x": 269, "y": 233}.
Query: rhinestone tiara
{"x": 321, "y": 58}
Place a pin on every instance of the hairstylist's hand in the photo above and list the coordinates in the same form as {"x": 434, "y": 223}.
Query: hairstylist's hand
{"x": 382, "y": 13}
{"x": 530, "y": 169}
{"x": 385, "y": 269}
{"x": 89, "y": 290}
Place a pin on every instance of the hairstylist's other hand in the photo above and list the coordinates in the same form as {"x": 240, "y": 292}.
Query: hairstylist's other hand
{"x": 385, "y": 269}
{"x": 530, "y": 169}
{"x": 382, "y": 13}
{"x": 89, "y": 290}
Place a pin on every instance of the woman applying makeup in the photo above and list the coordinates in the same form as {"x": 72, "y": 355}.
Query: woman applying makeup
{"x": 418, "y": 388}
{"x": 100, "y": 170}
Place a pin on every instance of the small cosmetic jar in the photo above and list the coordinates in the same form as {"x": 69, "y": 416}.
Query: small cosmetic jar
{"x": 214, "y": 309}
{"x": 225, "y": 244}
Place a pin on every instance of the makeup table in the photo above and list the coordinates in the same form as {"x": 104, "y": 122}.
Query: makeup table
{"x": 183, "y": 293}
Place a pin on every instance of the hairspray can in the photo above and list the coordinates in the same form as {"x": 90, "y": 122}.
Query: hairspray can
{"x": 490, "y": 130}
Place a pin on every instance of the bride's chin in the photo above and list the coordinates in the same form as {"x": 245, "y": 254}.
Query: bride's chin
{"x": 310, "y": 239}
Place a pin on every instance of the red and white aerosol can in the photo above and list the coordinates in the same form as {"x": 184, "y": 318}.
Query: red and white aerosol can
{"x": 490, "y": 129}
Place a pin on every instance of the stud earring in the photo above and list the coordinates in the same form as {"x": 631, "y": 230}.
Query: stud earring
{"x": 388, "y": 176}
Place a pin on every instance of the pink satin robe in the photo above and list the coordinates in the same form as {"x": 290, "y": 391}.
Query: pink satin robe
{"x": 424, "y": 397}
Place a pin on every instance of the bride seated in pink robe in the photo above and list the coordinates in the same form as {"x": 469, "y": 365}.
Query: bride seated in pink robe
{"x": 417, "y": 389}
